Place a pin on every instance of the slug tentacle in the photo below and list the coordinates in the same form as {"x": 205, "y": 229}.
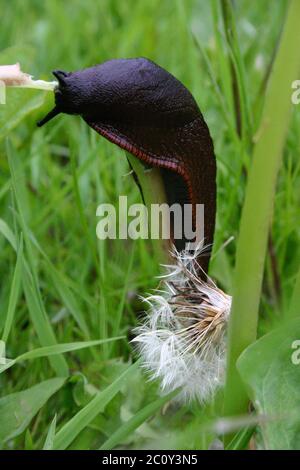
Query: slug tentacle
{"x": 55, "y": 111}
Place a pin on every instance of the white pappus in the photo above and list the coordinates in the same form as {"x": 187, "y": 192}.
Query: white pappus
{"x": 183, "y": 336}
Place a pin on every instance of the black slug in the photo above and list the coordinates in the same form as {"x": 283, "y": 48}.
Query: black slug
{"x": 145, "y": 110}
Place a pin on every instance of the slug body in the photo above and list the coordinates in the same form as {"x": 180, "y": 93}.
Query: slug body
{"x": 145, "y": 110}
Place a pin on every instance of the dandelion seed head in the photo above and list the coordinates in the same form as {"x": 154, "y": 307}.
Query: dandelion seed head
{"x": 183, "y": 336}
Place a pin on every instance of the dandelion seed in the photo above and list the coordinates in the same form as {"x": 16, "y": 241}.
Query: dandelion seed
{"x": 182, "y": 339}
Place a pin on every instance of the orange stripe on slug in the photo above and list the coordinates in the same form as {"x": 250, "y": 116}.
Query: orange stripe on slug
{"x": 177, "y": 166}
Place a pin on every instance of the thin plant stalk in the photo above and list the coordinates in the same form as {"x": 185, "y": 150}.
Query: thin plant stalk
{"x": 150, "y": 181}
{"x": 258, "y": 207}
{"x": 294, "y": 309}
{"x": 12, "y": 76}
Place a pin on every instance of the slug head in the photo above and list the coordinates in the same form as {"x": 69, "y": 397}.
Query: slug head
{"x": 68, "y": 96}
{"x": 128, "y": 90}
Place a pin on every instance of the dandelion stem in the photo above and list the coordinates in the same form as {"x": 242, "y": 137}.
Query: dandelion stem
{"x": 153, "y": 193}
{"x": 38, "y": 85}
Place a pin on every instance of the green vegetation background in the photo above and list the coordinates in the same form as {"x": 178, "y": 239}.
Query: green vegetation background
{"x": 85, "y": 289}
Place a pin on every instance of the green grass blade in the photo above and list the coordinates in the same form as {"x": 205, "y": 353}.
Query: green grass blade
{"x": 241, "y": 439}
{"x": 239, "y": 78}
{"x": 50, "y": 435}
{"x": 70, "y": 430}
{"x": 294, "y": 307}
{"x": 18, "y": 409}
{"x": 137, "y": 420}
{"x": 62, "y": 348}
{"x": 63, "y": 290}
{"x": 19, "y": 114}
{"x": 223, "y": 63}
{"x": 30, "y": 279}
{"x": 8, "y": 234}
{"x": 118, "y": 317}
{"x": 14, "y": 292}
{"x": 68, "y": 299}
{"x": 8, "y": 363}
{"x": 41, "y": 322}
